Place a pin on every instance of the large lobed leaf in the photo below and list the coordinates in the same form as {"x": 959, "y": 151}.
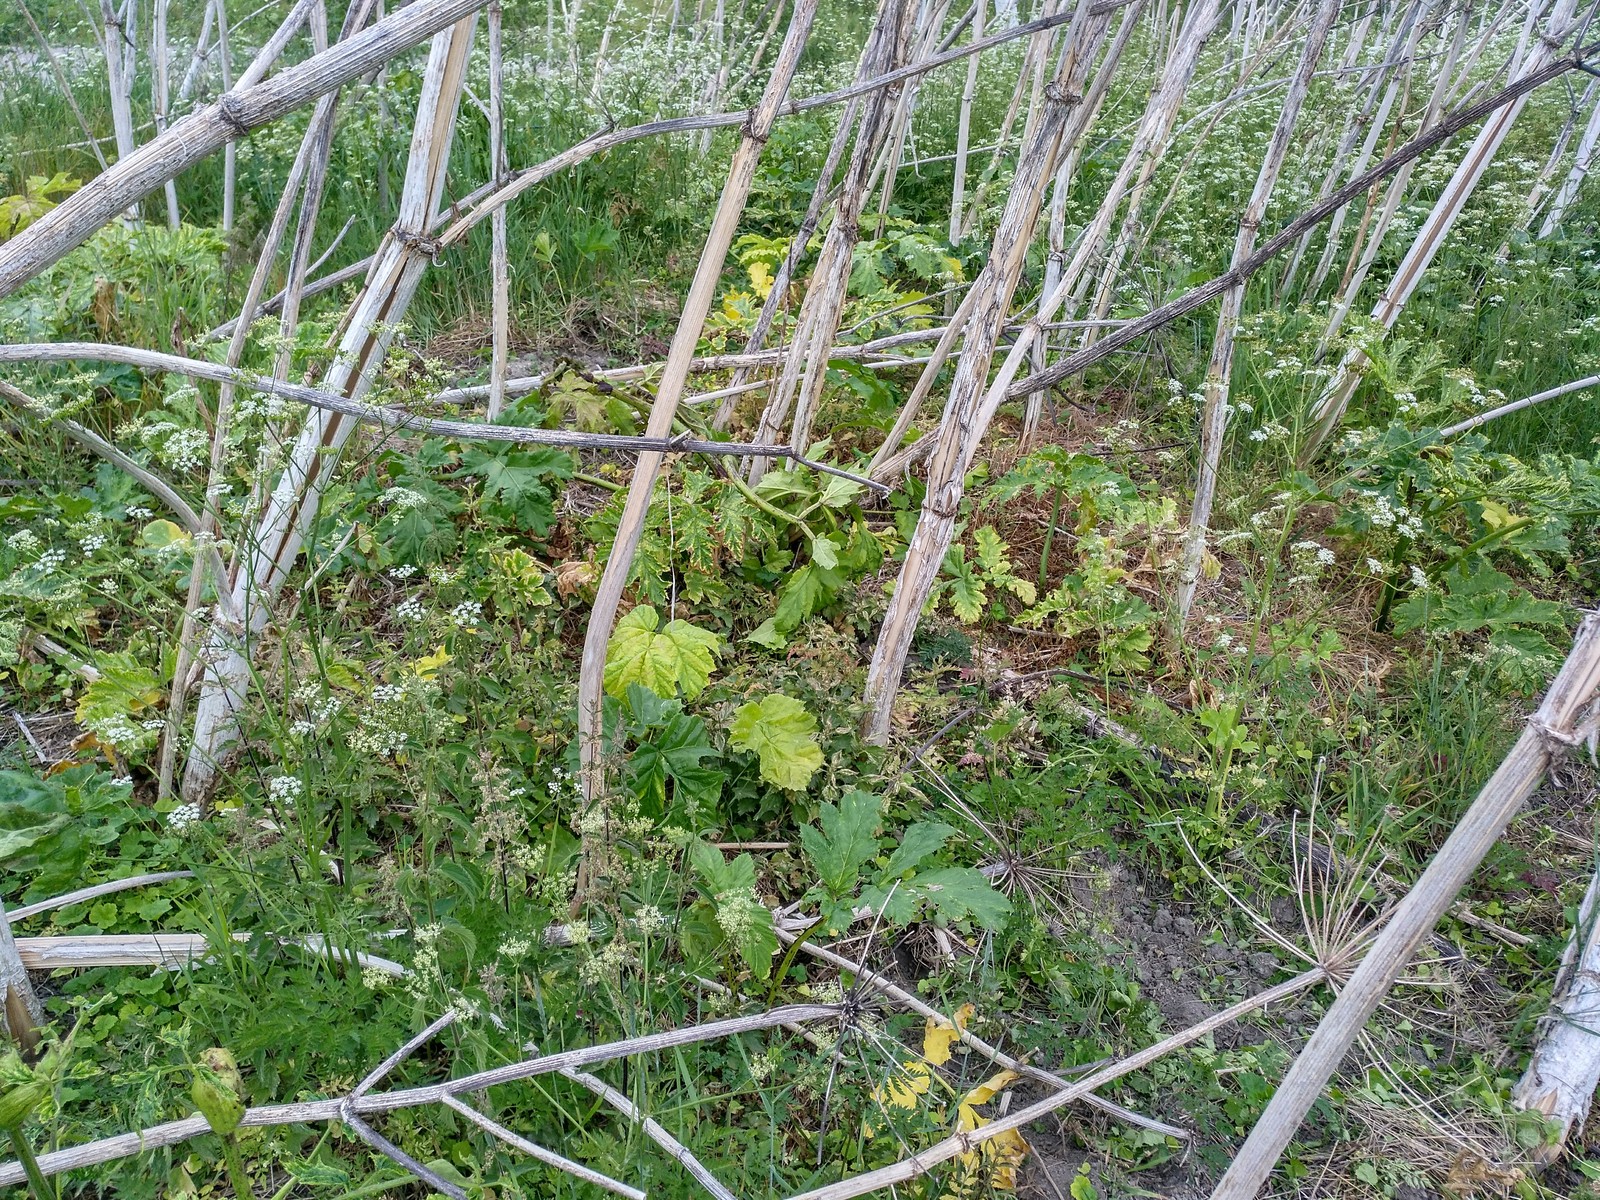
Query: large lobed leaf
{"x": 665, "y": 659}
{"x": 783, "y": 734}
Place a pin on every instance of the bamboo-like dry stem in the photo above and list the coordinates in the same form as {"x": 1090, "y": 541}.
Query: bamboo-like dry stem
{"x": 1564, "y": 1066}
{"x": 161, "y": 90}
{"x": 567, "y": 1063}
{"x": 958, "y": 189}
{"x": 1219, "y": 373}
{"x": 19, "y": 1004}
{"x": 400, "y": 420}
{"x": 498, "y": 254}
{"x": 963, "y": 1143}
{"x": 537, "y": 1152}
{"x": 1582, "y": 161}
{"x": 805, "y": 367}
{"x": 1557, "y": 723}
{"x": 1330, "y": 407}
{"x": 1307, "y": 220}
{"x": 69, "y": 224}
{"x": 84, "y": 894}
{"x": 274, "y": 545}
{"x": 971, "y": 1040}
{"x": 964, "y": 417}
{"x": 1505, "y": 410}
{"x": 119, "y": 48}
{"x": 697, "y": 304}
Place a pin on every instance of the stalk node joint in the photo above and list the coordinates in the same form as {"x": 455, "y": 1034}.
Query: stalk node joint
{"x": 231, "y": 112}
{"x": 430, "y": 247}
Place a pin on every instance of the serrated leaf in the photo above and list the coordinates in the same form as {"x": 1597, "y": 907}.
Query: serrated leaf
{"x": 845, "y": 842}
{"x": 917, "y": 843}
{"x": 961, "y": 892}
{"x": 516, "y": 480}
{"x": 123, "y": 688}
{"x": 418, "y": 535}
{"x": 663, "y": 659}
{"x": 783, "y": 734}
{"x": 1023, "y": 589}
{"x": 967, "y": 598}
{"x": 719, "y": 874}
{"x": 671, "y": 750}
{"x": 825, "y": 552}
{"x": 910, "y": 1081}
{"x": 805, "y": 591}
{"x": 835, "y": 491}
{"x": 992, "y": 551}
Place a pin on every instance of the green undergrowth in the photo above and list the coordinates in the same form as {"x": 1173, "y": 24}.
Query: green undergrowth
{"x": 1091, "y": 826}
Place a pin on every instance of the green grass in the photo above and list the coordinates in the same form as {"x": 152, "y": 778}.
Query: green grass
{"x": 404, "y": 784}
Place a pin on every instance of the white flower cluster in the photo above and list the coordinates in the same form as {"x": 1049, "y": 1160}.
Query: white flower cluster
{"x": 604, "y": 964}
{"x": 183, "y": 818}
{"x": 320, "y": 709}
{"x": 738, "y": 912}
{"x": 1385, "y": 514}
{"x": 1308, "y": 559}
{"x": 1315, "y": 551}
{"x": 402, "y": 499}
{"x": 385, "y": 725}
{"x": 403, "y": 571}
{"x": 411, "y": 610}
{"x": 24, "y": 541}
{"x": 184, "y": 449}
{"x": 466, "y": 614}
{"x": 515, "y": 948}
{"x": 285, "y": 789}
{"x": 649, "y": 919}
{"x": 119, "y": 731}
{"x": 1272, "y": 431}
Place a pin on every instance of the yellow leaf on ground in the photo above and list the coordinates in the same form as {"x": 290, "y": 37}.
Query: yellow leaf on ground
{"x": 989, "y": 1089}
{"x": 906, "y": 1085}
{"x": 939, "y": 1037}
{"x": 998, "y": 1158}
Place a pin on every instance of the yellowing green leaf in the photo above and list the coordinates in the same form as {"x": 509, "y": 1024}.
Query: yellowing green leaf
{"x": 967, "y": 598}
{"x": 783, "y": 734}
{"x": 664, "y": 659}
{"x": 1495, "y": 514}
{"x": 162, "y": 533}
{"x": 992, "y": 551}
{"x": 427, "y": 667}
{"x": 987, "y": 1090}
